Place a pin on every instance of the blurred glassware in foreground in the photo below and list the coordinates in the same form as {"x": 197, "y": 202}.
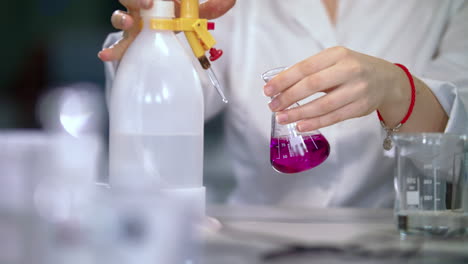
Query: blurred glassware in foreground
{"x": 76, "y": 109}
{"x": 431, "y": 184}
{"x": 45, "y": 178}
{"x": 142, "y": 228}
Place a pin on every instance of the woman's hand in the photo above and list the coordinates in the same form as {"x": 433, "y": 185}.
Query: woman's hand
{"x": 128, "y": 22}
{"x": 354, "y": 84}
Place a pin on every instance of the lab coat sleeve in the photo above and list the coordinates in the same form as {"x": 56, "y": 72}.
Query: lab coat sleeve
{"x": 213, "y": 102}
{"x": 447, "y": 73}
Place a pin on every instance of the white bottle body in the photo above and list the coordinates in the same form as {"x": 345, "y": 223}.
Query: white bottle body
{"x": 156, "y": 115}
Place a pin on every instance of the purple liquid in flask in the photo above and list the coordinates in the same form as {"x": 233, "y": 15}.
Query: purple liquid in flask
{"x": 284, "y": 161}
{"x": 290, "y": 150}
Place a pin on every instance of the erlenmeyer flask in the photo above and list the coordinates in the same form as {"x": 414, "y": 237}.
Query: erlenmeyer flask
{"x": 290, "y": 150}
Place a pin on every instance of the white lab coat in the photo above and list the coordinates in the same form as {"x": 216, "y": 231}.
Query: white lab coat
{"x": 430, "y": 37}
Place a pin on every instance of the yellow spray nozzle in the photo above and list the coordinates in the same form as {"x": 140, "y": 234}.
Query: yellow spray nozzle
{"x": 194, "y": 28}
{"x": 189, "y": 9}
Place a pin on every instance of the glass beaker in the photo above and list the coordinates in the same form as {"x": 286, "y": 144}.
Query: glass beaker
{"x": 290, "y": 150}
{"x": 431, "y": 184}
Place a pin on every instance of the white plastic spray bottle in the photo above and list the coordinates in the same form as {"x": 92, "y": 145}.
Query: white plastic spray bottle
{"x": 156, "y": 115}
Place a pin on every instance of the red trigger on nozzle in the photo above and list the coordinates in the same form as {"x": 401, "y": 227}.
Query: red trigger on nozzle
{"x": 211, "y": 26}
{"x": 215, "y": 54}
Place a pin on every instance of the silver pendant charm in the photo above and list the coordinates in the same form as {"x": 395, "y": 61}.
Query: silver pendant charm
{"x": 387, "y": 143}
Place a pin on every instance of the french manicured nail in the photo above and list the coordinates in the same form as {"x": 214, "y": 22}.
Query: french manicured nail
{"x": 268, "y": 90}
{"x": 300, "y": 128}
{"x": 282, "y": 118}
{"x": 145, "y": 3}
{"x": 274, "y": 104}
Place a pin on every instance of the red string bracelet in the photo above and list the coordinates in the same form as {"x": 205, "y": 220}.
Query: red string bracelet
{"x": 387, "y": 144}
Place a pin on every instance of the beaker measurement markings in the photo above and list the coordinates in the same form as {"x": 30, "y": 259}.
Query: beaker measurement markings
{"x": 313, "y": 141}
{"x": 410, "y": 180}
{"x": 413, "y": 197}
{"x": 428, "y": 197}
{"x": 279, "y": 149}
{"x": 435, "y": 188}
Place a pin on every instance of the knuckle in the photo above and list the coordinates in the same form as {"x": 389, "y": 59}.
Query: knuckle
{"x": 284, "y": 99}
{"x": 292, "y": 115}
{"x": 308, "y": 65}
{"x": 299, "y": 113}
{"x": 305, "y": 125}
{"x": 302, "y": 68}
{"x": 326, "y": 104}
{"x": 341, "y": 51}
{"x": 321, "y": 121}
{"x": 334, "y": 118}
{"x": 362, "y": 87}
{"x": 313, "y": 82}
{"x": 364, "y": 103}
{"x": 356, "y": 68}
{"x": 365, "y": 107}
{"x": 128, "y": 2}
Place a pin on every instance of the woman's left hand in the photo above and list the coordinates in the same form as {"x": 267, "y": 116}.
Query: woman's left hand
{"x": 354, "y": 84}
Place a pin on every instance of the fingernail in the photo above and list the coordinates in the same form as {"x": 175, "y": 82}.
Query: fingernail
{"x": 268, "y": 90}
{"x": 122, "y": 20}
{"x": 274, "y": 104}
{"x": 282, "y": 118}
{"x": 145, "y": 3}
{"x": 99, "y": 55}
{"x": 300, "y": 128}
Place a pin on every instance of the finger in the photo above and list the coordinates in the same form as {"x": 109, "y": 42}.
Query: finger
{"x": 309, "y": 66}
{"x": 121, "y": 20}
{"x": 137, "y": 4}
{"x": 211, "y": 9}
{"x": 318, "y": 82}
{"x": 349, "y": 111}
{"x": 105, "y": 55}
{"x": 328, "y": 103}
{"x": 215, "y": 8}
{"x": 116, "y": 51}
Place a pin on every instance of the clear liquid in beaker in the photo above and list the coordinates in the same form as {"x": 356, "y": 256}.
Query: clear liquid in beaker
{"x": 444, "y": 223}
{"x": 431, "y": 184}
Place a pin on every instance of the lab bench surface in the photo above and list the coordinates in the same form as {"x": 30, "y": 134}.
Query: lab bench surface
{"x": 251, "y": 234}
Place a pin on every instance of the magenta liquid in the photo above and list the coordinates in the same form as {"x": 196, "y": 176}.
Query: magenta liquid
{"x": 318, "y": 150}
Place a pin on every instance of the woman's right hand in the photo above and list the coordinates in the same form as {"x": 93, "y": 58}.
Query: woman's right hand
{"x": 128, "y": 22}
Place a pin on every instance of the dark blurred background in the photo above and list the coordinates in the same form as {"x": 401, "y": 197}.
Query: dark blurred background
{"x": 53, "y": 44}
{"x": 48, "y": 44}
